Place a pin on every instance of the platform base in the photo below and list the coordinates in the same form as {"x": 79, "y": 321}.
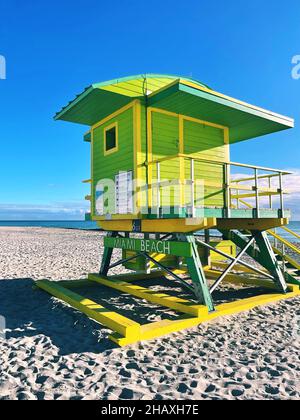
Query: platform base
{"x": 127, "y": 331}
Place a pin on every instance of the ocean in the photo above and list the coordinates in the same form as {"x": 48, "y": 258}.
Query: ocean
{"x": 77, "y": 224}
{"x": 66, "y": 224}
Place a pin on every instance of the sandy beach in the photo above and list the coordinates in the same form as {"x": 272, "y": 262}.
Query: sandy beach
{"x": 52, "y": 351}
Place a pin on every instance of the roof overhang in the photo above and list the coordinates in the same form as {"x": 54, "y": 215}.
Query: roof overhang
{"x": 102, "y": 99}
{"x": 244, "y": 120}
{"x": 179, "y": 95}
{"x": 92, "y": 105}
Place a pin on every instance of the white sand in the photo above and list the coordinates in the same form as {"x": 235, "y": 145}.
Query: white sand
{"x": 54, "y": 352}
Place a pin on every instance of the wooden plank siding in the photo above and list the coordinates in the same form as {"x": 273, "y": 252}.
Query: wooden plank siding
{"x": 165, "y": 142}
{"x": 106, "y": 167}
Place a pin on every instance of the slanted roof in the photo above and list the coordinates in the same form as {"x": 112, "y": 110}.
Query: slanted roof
{"x": 244, "y": 120}
{"x": 174, "y": 93}
{"x": 102, "y": 99}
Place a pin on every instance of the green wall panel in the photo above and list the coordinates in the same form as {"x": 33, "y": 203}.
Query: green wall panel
{"x": 106, "y": 167}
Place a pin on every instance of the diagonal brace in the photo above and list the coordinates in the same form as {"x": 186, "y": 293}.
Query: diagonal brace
{"x": 264, "y": 255}
{"x": 231, "y": 266}
{"x": 230, "y": 257}
{"x": 170, "y": 272}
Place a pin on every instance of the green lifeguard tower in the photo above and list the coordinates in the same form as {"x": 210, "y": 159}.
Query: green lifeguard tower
{"x": 161, "y": 180}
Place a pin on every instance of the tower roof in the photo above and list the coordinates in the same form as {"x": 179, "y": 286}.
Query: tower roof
{"x": 177, "y": 94}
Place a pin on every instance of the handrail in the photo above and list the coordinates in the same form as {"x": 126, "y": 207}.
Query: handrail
{"x": 231, "y": 187}
{"x": 219, "y": 162}
{"x": 246, "y": 204}
{"x": 268, "y": 176}
{"x": 291, "y": 232}
{"x": 284, "y": 241}
{"x": 278, "y": 237}
{"x": 288, "y": 258}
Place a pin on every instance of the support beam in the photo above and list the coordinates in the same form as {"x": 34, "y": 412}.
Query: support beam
{"x": 124, "y": 326}
{"x": 264, "y": 255}
{"x": 231, "y": 266}
{"x": 270, "y": 262}
{"x": 160, "y": 328}
{"x": 107, "y": 254}
{"x": 230, "y": 257}
{"x": 159, "y": 298}
{"x": 196, "y": 272}
{"x": 166, "y": 270}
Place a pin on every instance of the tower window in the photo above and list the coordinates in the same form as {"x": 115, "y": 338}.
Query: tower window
{"x": 111, "y": 139}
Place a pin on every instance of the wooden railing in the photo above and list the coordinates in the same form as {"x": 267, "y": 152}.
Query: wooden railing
{"x": 234, "y": 189}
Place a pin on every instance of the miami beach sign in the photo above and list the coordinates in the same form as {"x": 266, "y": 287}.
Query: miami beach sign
{"x": 149, "y": 246}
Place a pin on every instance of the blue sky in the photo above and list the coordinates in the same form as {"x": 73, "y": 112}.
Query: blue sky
{"x": 55, "y": 49}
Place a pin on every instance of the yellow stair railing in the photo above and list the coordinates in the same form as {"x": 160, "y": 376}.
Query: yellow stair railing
{"x": 288, "y": 259}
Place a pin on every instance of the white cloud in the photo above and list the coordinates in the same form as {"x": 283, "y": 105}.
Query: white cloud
{"x": 74, "y": 210}
{"x": 292, "y": 200}
{"x": 291, "y": 183}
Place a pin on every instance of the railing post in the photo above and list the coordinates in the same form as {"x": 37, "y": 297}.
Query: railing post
{"x": 256, "y": 193}
{"x": 281, "y": 194}
{"x": 158, "y": 204}
{"x": 192, "y": 188}
{"x": 227, "y": 190}
{"x": 270, "y": 196}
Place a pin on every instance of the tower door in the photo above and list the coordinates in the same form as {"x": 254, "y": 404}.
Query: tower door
{"x": 165, "y": 144}
{"x": 206, "y": 143}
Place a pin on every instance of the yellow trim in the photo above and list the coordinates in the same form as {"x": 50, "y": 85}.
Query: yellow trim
{"x": 161, "y": 328}
{"x": 291, "y": 260}
{"x": 93, "y": 128}
{"x": 149, "y": 158}
{"x": 163, "y": 111}
{"x": 227, "y": 143}
{"x": 129, "y": 216}
{"x": 105, "y": 130}
{"x": 197, "y": 120}
{"x": 114, "y": 114}
{"x": 137, "y": 129}
{"x": 186, "y": 117}
{"x": 116, "y": 225}
{"x": 159, "y": 225}
{"x": 110, "y": 319}
{"x": 172, "y": 302}
{"x": 127, "y": 331}
{"x": 181, "y": 161}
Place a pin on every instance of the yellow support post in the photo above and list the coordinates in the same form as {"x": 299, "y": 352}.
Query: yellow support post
{"x": 124, "y": 326}
{"x": 160, "y": 328}
{"x": 172, "y": 302}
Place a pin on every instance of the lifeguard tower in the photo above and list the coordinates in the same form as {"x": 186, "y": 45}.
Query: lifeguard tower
{"x": 161, "y": 181}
